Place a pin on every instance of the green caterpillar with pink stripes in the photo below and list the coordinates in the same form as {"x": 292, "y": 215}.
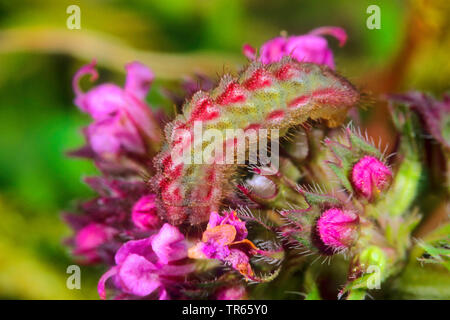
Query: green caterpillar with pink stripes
{"x": 264, "y": 96}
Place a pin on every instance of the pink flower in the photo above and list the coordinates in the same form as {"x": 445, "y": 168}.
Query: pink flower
{"x": 143, "y": 266}
{"x": 370, "y": 176}
{"x": 312, "y": 47}
{"x": 122, "y": 120}
{"x": 144, "y": 213}
{"x": 273, "y": 50}
{"x": 338, "y": 228}
{"x": 225, "y": 239}
{"x": 89, "y": 238}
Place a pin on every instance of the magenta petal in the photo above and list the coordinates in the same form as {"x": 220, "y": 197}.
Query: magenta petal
{"x": 140, "y": 247}
{"x": 163, "y": 295}
{"x": 102, "y": 101}
{"x": 239, "y": 261}
{"x": 328, "y": 59}
{"x": 249, "y": 51}
{"x": 337, "y": 32}
{"x": 231, "y": 218}
{"x": 308, "y": 48}
{"x": 273, "y": 50}
{"x": 177, "y": 270}
{"x": 214, "y": 220}
{"x": 139, "y": 78}
{"x": 143, "y": 117}
{"x": 214, "y": 250}
{"x": 138, "y": 276}
{"x": 101, "y": 283}
{"x": 169, "y": 244}
{"x": 111, "y": 136}
{"x": 84, "y": 70}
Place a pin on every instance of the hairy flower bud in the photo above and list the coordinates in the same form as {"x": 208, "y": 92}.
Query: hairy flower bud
{"x": 370, "y": 176}
{"x": 338, "y": 228}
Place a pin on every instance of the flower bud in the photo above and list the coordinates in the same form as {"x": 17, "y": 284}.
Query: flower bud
{"x": 337, "y": 228}
{"x": 89, "y": 238}
{"x": 370, "y": 176}
{"x": 144, "y": 213}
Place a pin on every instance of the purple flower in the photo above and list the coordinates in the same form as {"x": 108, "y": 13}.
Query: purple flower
{"x": 89, "y": 238}
{"x": 122, "y": 120}
{"x": 144, "y": 213}
{"x": 225, "y": 239}
{"x": 143, "y": 266}
{"x": 370, "y": 176}
{"x": 311, "y": 47}
{"x": 338, "y": 228}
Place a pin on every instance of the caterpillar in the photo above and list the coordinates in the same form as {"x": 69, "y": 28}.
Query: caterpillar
{"x": 264, "y": 96}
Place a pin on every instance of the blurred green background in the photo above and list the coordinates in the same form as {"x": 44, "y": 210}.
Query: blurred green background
{"x": 39, "y": 123}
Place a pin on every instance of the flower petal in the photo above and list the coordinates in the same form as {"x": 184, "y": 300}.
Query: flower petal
{"x": 138, "y": 276}
{"x": 110, "y": 137}
{"x": 221, "y": 235}
{"x": 141, "y": 247}
{"x": 139, "y": 78}
{"x": 337, "y": 32}
{"x": 249, "y": 51}
{"x": 101, "y": 283}
{"x": 169, "y": 244}
{"x": 273, "y": 50}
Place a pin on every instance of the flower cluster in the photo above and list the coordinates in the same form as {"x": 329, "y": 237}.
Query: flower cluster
{"x": 124, "y": 126}
{"x": 197, "y": 230}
